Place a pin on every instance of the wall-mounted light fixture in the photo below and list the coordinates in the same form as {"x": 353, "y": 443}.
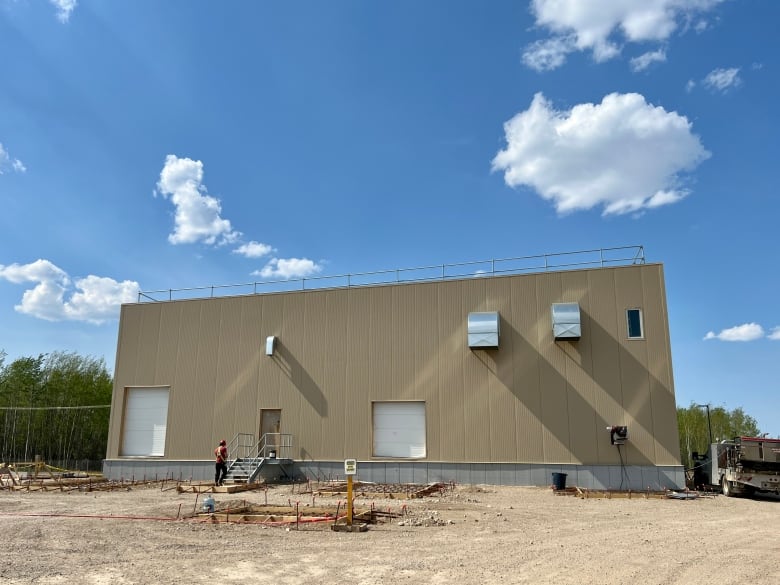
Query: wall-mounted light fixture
{"x": 270, "y": 343}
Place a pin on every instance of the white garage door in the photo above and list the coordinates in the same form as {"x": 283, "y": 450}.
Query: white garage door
{"x": 146, "y": 416}
{"x": 399, "y": 429}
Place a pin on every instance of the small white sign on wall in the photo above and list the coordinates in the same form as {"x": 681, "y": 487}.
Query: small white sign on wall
{"x": 350, "y": 466}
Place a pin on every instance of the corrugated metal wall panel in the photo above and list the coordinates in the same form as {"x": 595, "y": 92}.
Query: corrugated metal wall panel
{"x": 315, "y": 407}
{"x": 249, "y": 355}
{"x": 290, "y": 348}
{"x": 362, "y": 328}
{"x": 403, "y": 330}
{"x": 639, "y": 410}
{"x": 525, "y": 377}
{"x": 581, "y": 390}
{"x": 552, "y": 368}
{"x": 605, "y": 332}
{"x": 228, "y": 370}
{"x": 273, "y": 369}
{"x": 633, "y": 369}
{"x": 147, "y": 352}
{"x": 217, "y": 418}
{"x": 232, "y": 369}
{"x": 665, "y": 430}
{"x": 168, "y": 344}
{"x": 499, "y": 366}
{"x": 335, "y": 373}
{"x": 659, "y": 366}
{"x": 475, "y": 377}
{"x": 384, "y": 332}
{"x": 451, "y": 440}
{"x": 190, "y": 412}
{"x": 426, "y": 361}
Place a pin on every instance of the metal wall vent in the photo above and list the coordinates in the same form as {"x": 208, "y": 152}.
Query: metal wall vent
{"x": 566, "y": 321}
{"x": 483, "y": 329}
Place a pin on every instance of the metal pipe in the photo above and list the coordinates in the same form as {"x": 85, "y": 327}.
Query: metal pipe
{"x": 709, "y": 422}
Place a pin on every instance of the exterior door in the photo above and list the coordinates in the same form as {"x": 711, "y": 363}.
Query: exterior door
{"x": 270, "y": 427}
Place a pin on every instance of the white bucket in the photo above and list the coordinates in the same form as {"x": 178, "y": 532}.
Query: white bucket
{"x": 208, "y": 504}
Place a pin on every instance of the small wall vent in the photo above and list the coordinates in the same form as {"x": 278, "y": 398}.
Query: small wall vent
{"x": 566, "y": 321}
{"x": 483, "y": 329}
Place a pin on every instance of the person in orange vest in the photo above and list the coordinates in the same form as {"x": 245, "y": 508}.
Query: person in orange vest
{"x": 221, "y": 453}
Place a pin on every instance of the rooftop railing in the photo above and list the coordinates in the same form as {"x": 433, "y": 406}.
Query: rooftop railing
{"x": 602, "y": 257}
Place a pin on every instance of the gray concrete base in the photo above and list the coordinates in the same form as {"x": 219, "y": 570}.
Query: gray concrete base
{"x": 599, "y": 477}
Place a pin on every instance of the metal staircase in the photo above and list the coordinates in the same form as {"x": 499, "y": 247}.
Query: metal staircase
{"x": 273, "y": 449}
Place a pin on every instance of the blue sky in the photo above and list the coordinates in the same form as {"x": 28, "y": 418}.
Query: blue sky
{"x": 160, "y": 145}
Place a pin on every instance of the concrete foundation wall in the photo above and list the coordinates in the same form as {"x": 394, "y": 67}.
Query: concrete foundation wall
{"x": 602, "y": 477}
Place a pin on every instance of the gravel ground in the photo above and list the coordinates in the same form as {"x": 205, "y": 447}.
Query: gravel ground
{"x": 468, "y": 535}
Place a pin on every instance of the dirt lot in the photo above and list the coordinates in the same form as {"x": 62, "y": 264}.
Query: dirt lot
{"x": 475, "y": 535}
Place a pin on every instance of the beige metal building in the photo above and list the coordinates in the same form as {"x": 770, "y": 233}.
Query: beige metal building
{"x": 498, "y": 379}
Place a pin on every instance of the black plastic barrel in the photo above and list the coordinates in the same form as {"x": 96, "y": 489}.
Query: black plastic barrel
{"x": 559, "y": 481}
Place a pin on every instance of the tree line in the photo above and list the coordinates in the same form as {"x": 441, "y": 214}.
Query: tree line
{"x": 697, "y": 429}
{"x": 54, "y": 406}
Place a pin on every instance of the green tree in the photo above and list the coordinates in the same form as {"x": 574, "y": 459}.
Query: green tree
{"x": 694, "y": 428}
{"x": 54, "y": 406}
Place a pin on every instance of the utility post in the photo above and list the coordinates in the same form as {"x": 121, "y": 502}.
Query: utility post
{"x": 350, "y": 469}
{"x": 709, "y": 422}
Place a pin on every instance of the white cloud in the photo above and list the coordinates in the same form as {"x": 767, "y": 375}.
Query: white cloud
{"x": 253, "y": 250}
{"x": 775, "y": 334}
{"x": 38, "y": 271}
{"x": 690, "y": 86}
{"x": 644, "y": 61}
{"x": 746, "y": 332}
{"x": 93, "y": 299}
{"x": 6, "y": 162}
{"x": 98, "y": 298}
{"x": 591, "y": 26}
{"x": 288, "y": 268}
{"x": 723, "y": 79}
{"x": 64, "y": 8}
{"x": 623, "y": 154}
{"x": 548, "y": 54}
{"x": 197, "y": 213}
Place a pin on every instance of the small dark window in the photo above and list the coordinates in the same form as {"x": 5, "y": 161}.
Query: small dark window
{"x": 634, "y": 320}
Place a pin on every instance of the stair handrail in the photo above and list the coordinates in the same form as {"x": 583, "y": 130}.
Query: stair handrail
{"x": 240, "y": 447}
{"x": 280, "y": 444}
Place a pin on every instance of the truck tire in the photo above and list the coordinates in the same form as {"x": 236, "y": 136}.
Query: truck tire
{"x": 726, "y": 487}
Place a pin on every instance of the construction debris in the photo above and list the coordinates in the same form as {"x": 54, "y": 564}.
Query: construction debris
{"x": 242, "y": 513}
{"x": 587, "y": 493}
{"x": 200, "y": 488}
{"x": 8, "y": 476}
{"x": 391, "y": 491}
{"x": 428, "y": 518}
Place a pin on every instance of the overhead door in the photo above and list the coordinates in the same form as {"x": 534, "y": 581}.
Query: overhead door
{"x": 145, "y": 422}
{"x": 399, "y": 429}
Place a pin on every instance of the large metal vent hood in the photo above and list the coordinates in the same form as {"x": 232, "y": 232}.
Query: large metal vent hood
{"x": 483, "y": 329}
{"x": 566, "y": 321}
